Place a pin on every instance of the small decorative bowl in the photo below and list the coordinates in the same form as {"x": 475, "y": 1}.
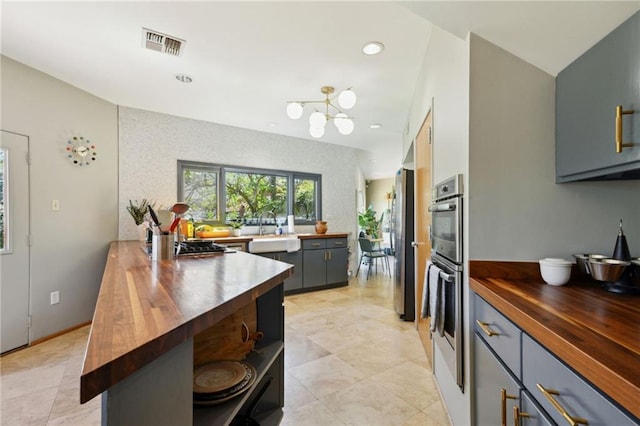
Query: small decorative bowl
{"x": 609, "y": 270}
{"x": 555, "y": 271}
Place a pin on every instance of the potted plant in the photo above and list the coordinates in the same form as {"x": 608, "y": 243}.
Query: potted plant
{"x": 236, "y": 224}
{"x": 138, "y": 211}
{"x": 370, "y": 225}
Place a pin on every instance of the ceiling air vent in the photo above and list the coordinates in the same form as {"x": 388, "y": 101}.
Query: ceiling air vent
{"x": 154, "y": 40}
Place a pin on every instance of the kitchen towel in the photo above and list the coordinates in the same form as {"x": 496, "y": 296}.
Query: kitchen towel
{"x": 424, "y": 312}
{"x": 436, "y": 304}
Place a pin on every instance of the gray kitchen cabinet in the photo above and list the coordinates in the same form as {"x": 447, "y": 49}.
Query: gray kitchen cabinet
{"x": 587, "y": 94}
{"x": 548, "y": 379}
{"x": 518, "y": 361}
{"x": 530, "y": 413}
{"x": 325, "y": 262}
{"x": 294, "y": 282}
{"x": 496, "y": 391}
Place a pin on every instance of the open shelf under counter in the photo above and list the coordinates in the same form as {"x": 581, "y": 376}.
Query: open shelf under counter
{"x": 265, "y": 360}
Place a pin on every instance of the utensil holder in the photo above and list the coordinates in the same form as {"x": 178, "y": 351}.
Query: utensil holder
{"x": 162, "y": 247}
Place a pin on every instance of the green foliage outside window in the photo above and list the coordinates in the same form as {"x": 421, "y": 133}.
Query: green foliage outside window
{"x": 200, "y": 192}
{"x": 250, "y": 196}
{"x": 305, "y": 197}
{"x": 265, "y": 196}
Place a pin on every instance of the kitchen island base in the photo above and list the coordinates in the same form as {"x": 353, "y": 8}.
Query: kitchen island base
{"x": 158, "y": 394}
{"x": 151, "y": 320}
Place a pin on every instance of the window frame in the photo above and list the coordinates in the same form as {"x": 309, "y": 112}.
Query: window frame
{"x": 221, "y": 189}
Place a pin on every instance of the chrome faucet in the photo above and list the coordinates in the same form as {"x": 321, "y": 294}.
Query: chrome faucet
{"x": 260, "y": 230}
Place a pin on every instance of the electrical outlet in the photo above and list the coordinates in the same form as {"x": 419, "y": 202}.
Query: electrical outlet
{"x": 55, "y": 205}
{"x": 55, "y": 297}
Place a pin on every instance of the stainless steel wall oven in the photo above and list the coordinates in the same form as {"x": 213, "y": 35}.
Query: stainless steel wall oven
{"x": 447, "y": 254}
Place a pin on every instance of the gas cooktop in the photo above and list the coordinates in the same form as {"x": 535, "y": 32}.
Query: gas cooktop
{"x": 187, "y": 248}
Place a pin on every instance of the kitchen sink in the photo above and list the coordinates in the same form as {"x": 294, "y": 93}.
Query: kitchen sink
{"x": 274, "y": 244}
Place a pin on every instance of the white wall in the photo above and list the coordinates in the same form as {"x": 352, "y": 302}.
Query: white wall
{"x": 516, "y": 210}
{"x": 151, "y": 143}
{"x": 444, "y": 87}
{"x": 69, "y": 247}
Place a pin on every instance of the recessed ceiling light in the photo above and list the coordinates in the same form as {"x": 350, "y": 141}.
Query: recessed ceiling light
{"x": 375, "y": 126}
{"x": 373, "y": 48}
{"x": 183, "y": 78}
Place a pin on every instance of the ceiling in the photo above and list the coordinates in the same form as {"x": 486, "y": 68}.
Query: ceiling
{"x": 247, "y": 59}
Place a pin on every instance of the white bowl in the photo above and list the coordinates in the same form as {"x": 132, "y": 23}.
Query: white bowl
{"x": 556, "y": 271}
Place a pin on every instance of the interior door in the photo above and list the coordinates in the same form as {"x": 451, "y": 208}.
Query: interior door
{"x": 14, "y": 247}
{"x": 422, "y": 242}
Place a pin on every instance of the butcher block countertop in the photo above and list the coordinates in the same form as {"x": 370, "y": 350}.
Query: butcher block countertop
{"x": 595, "y": 332}
{"x": 145, "y": 309}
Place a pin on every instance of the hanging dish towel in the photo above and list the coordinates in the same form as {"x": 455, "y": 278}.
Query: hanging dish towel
{"x": 424, "y": 312}
{"x": 435, "y": 298}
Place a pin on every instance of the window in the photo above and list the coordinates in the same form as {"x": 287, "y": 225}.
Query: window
{"x": 221, "y": 194}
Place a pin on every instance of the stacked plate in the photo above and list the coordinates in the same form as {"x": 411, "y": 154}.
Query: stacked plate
{"x": 217, "y": 382}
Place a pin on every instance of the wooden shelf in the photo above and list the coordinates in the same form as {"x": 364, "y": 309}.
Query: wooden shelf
{"x": 262, "y": 359}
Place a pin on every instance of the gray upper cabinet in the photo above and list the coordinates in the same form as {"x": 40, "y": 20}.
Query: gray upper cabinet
{"x": 587, "y": 94}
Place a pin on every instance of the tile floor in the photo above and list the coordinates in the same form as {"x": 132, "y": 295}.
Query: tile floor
{"x": 349, "y": 361}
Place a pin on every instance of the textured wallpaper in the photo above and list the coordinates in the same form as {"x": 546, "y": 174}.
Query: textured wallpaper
{"x": 151, "y": 143}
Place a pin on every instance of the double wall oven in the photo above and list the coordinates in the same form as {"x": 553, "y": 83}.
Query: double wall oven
{"x": 446, "y": 253}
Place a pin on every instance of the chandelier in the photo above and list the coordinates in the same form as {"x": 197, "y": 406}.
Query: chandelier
{"x": 318, "y": 119}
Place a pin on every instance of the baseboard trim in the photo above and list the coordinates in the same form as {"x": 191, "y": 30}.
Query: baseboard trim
{"x": 59, "y": 333}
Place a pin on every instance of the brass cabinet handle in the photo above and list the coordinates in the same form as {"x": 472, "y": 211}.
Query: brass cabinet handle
{"x": 619, "y": 138}
{"x": 503, "y": 405}
{"x": 517, "y": 415}
{"x": 315, "y": 244}
{"x": 485, "y": 327}
{"x": 573, "y": 421}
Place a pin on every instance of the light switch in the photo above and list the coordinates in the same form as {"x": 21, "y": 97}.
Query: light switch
{"x": 55, "y": 205}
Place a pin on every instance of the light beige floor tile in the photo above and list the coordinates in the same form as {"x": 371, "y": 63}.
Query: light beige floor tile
{"x": 295, "y": 394}
{"x": 369, "y": 358}
{"x": 25, "y": 382}
{"x": 29, "y": 408}
{"x": 338, "y": 338}
{"x": 368, "y": 403}
{"x": 299, "y": 349}
{"x": 86, "y": 417}
{"x": 326, "y": 375}
{"x": 410, "y": 382}
{"x": 313, "y": 414}
{"x": 438, "y": 413}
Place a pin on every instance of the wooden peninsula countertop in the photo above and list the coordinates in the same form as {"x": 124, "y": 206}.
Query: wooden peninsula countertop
{"x": 145, "y": 309}
{"x": 595, "y": 332}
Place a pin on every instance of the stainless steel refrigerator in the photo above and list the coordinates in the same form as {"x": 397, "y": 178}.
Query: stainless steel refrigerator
{"x": 403, "y": 228}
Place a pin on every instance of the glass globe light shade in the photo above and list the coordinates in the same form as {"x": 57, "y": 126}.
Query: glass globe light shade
{"x": 317, "y": 119}
{"x": 347, "y": 99}
{"x": 316, "y": 132}
{"x": 338, "y": 119}
{"x": 294, "y": 110}
{"x": 346, "y": 126}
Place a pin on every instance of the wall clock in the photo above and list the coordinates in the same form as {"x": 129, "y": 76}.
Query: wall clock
{"x": 81, "y": 151}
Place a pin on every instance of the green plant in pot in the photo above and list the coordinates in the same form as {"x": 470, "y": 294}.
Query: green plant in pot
{"x": 368, "y": 222}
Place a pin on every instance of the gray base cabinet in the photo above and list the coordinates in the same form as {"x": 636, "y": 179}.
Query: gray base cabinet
{"x": 294, "y": 282}
{"x": 497, "y": 391}
{"x": 587, "y": 94}
{"x": 516, "y": 380}
{"x": 325, "y": 262}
